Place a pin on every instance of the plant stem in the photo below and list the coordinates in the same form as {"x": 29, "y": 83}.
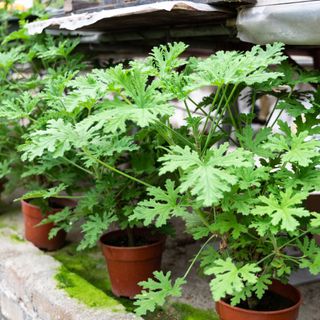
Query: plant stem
{"x": 130, "y": 234}
{"x": 177, "y": 134}
{"x": 194, "y": 129}
{"x": 272, "y": 112}
{"x": 213, "y": 128}
{"x": 197, "y": 256}
{"x": 114, "y": 169}
{"x": 211, "y": 107}
{"x": 68, "y": 197}
{"x": 78, "y": 166}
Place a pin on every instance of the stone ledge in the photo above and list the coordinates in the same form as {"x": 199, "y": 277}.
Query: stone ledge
{"x": 28, "y": 290}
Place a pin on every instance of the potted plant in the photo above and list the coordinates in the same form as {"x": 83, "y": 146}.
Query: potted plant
{"x": 32, "y": 68}
{"x": 117, "y": 157}
{"x": 218, "y": 192}
{"x": 248, "y": 196}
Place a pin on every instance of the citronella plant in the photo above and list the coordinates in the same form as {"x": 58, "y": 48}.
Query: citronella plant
{"x": 90, "y": 127}
{"x": 31, "y": 68}
{"x": 248, "y": 197}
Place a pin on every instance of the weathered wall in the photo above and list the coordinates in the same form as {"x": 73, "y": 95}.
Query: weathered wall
{"x": 28, "y": 290}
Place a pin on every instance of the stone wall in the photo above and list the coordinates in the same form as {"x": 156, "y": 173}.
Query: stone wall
{"x": 28, "y": 290}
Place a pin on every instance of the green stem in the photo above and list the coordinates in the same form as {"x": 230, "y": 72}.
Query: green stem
{"x": 68, "y": 197}
{"x": 211, "y": 107}
{"x": 211, "y": 118}
{"x": 177, "y": 134}
{"x": 253, "y": 102}
{"x": 78, "y": 166}
{"x": 213, "y": 128}
{"x": 114, "y": 169}
{"x": 197, "y": 256}
{"x": 280, "y": 113}
{"x": 296, "y": 238}
{"x": 194, "y": 128}
{"x": 272, "y": 112}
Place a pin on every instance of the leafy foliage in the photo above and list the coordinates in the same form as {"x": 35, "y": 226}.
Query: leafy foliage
{"x": 163, "y": 206}
{"x": 282, "y": 212}
{"x": 156, "y": 291}
{"x": 207, "y": 179}
{"x": 230, "y": 279}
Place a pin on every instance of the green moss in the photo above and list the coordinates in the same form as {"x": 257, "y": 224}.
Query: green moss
{"x": 82, "y": 290}
{"x": 188, "y": 312}
{"x": 89, "y": 267}
{"x": 88, "y": 264}
{"x": 16, "y": 238}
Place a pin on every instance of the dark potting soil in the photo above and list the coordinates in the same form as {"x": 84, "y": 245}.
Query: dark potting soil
{"x": 122, "y": 241}
{"x": 271, "y": 301}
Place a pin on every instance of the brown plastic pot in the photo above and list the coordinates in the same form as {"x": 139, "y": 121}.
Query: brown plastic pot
{"x": 127, "y": 266}
{"x": 227, "y": 312}
{"x": 38, "y": 235}
{"x": 312, "y": 203}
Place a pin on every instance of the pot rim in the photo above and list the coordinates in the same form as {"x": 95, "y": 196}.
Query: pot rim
{"x": 296, "y": 305}
{"x": 29, "y": 204}
{"x": 162, "y": 239}
{"x": 38, "y": 207}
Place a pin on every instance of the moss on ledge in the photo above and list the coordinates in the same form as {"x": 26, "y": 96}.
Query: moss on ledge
{"x": 16, "y": 238}
{"x": 188, "y": 312}
{"x": 88, "y": 268}
{"x": 82, "y": 290}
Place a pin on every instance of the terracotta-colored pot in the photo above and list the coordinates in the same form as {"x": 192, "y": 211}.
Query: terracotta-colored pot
{"x": 227, "y": 312}
{"x": 127, "y": 266}
{"x": 38, "y": 235}
{"x": 312, "y": 203}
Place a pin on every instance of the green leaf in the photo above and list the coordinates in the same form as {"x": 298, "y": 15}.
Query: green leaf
{"x": 227, "y": 222}
{"x": 263, "y": 225}
{"x": 18, "y": 108}
{"x": 262, "y": 285}
{"x": 208, "y": 257}
{"x": 5, "y": 168}
{"x": 206, "y": 179}
{"x": 57, "y": 139}
{"x": 282, "y": 210}
{"x": 163, "y": 205}
{"x": 156, "y": 291}
{"x": 295, "y": 148}
{"x": 196, "y": 226}
{"x": 254, "y": 142}
{"x": 293, "y": 107}
{"x": 232, "y": 67}
{"x": 45, "y": 194}
{"x": 230, "y": 279}
{"x": 315, "y": 223}
{"x": 62, "y": 220}
{"x": 135, "y": 100}
{"x": 53, "y": 50}
{"x": 94, "y": 227}
{"x": 311, "y": 255}
{"x": 166, "y": 57}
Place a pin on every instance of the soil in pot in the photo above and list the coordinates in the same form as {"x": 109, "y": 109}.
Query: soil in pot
{"x": 38, "y": 234}
{"x": 128, "y": 265}
{"x": 281, "y": 302}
